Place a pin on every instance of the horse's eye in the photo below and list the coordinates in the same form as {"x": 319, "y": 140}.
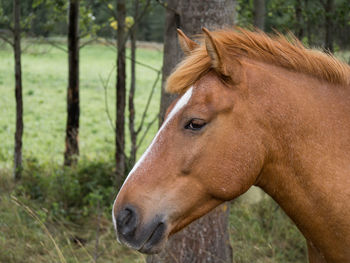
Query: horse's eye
{"x": 195, "y": 124}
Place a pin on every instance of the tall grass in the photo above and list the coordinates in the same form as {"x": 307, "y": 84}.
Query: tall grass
{"x": 29, "y": 233}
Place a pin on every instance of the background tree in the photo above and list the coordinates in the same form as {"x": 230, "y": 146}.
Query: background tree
{"x": 328, "y": 6}
{"x": 299, "y": 27}
{"x": 259, "y": 14}
{"x": 11, "y": 29}
{"x": 120, "y": 90}
{"x": 133, "y": 134}
{"x": 18, "y": 90}
{"x": 207, "y": 239}
{"x": 139, "y": 10}
{"x": 73, "y": 111}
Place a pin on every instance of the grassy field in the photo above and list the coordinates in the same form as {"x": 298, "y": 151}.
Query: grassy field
{"x": 63, "y": 215}
{"x": 44, "y": 91}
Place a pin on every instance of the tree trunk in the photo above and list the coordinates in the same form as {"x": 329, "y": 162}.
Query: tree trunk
{"x": 259, "y": 14}
{"x": 17, "y": 170}
{"x": 207, "y": 239}
{"x": 133, "y": 135}
{"x": 73, "y": 111}
{"x": 299, "y": 29}
{"x": 172, "y": 54}
{"x": 120, "y": 91}
{"x": 328, "y": 8}
{"x": 308, "y": 23}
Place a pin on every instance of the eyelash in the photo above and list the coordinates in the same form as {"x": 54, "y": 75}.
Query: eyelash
{"x": 191, "y": 125}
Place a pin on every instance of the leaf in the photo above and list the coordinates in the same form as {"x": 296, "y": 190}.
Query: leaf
{"x": 114, "y": 25}
{"x": 129, "y": 21}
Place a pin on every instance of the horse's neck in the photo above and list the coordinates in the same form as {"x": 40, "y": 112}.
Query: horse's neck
{"x": 308, "y": 166}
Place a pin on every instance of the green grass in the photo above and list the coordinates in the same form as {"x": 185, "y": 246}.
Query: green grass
{"x": 44, "y": 93}
{"x": 262, "y": 233}
{"x": 29, "y": 234}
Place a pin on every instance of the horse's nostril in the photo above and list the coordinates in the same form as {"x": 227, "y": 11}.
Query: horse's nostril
{"x": 125, "y": 216}
{"x": 126, "y": 222}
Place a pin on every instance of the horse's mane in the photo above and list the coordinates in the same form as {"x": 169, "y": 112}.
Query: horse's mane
{"x": 286, "y": 52}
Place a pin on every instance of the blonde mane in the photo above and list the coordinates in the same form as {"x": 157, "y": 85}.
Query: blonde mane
{"x": 278, "y": 50}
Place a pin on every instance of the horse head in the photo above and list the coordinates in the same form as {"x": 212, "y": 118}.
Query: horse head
{"x": 208, "y": 150}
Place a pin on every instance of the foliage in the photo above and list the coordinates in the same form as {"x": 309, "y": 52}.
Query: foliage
{"x": 281, "y": 16}
{"x": 262, "y": 232}
{"x": 129, "y": 22}
{"x": 69, "y": 193}
{"x": 46, "y": 18}
{"x": 30, "y": 233}
{"x": 27, "y": 15}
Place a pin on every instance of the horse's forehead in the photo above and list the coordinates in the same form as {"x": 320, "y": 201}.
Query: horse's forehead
{"x": 206, "y": 88}
{"x": 208, "y": 79}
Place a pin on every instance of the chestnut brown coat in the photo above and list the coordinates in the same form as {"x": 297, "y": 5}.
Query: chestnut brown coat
{"x": 253, "y": 110}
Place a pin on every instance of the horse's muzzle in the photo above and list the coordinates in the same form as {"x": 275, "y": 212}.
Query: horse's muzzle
{"x": 145, "y": 238}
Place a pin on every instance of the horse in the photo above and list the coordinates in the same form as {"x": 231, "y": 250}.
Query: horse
{"x": 253, "y": 109}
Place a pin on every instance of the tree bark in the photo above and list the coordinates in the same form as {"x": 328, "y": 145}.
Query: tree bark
{"x": 308, "y": 23}
{"x": 190, "y": 16}
{"x": 299, "y": 30}
{"x": 172, "y": 54}
{"x": 120, "y": 91}
{"x": 133, "y": 134}
{"x": 17, "y": 170}
{"x": 259, "y": 14}
{"x": 207, "y": 239}
{"x": 72, "y": 127}
{"x": 328, "y": 8}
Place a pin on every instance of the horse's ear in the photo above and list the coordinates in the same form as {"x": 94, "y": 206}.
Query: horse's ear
{"x": 186, "y": 44}
{"x": 214, "y": 50}
{"x": 218, "y": 57}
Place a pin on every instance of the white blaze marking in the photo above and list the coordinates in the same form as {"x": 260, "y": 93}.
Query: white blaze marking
{"x": 179, "y": 105}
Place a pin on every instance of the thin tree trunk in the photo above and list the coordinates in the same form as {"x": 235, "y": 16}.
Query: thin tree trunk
{"x": 207, "y": 239}
{"x": 172, "y": 55}
{"x": 308, "y": 23}
{"x": 299, "y": 30}
{"x": 259, "y": 14}
{"x": 328, "y": 8}
{"x": 17, "y": 170}
{"x": 120, "y": 91}
{"x": 73, "y": 111}
{"x": 133, "y": 135}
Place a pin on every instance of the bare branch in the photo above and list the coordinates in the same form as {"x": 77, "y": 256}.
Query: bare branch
{"x": 111, "y": 43}
{"x": 105, "y": 86}
{"x": 6, "y": 39}
{"x": 111, "y": 12}
{"x": 166, "y": 6}
{"x": 142, "y": 13}
{"x": 144, "y": 65}
{"x": 55, "y": 44}
{"x": 6, "y": 31}
{"x": 88, "y": 42}
{"x": 147, "y": 129}
{"x": 148, "y": 102}
{"x": 136, "y": 21}
{"x": 84, "y": 35}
